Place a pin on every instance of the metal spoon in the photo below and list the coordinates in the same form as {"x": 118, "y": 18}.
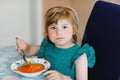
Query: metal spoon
{"x": 24, "y": 58}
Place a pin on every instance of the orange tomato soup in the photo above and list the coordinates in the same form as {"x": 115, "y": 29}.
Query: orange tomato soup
{"x": 31, "y": 68}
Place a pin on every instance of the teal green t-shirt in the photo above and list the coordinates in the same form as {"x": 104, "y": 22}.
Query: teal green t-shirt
{"x": 63, "y": 59}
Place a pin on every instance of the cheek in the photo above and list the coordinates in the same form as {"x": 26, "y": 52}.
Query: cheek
{"x": 51, "y": 35}
{"x": 70, "y": 34}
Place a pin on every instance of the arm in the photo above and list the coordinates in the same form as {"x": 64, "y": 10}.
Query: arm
{"x": 33, "y": 50}
{"x": 82, "y": 68}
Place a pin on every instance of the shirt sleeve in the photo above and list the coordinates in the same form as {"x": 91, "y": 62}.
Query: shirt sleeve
{"x": 90, "y": 52}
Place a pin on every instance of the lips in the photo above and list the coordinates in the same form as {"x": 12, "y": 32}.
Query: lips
{"x": 59, "y": 38}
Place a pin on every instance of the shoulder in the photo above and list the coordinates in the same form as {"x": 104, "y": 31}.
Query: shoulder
{"x": 86, "y": 51}
{"x": 86, "y": 48}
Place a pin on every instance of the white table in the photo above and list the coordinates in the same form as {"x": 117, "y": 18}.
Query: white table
{"x": 7, "y": 56}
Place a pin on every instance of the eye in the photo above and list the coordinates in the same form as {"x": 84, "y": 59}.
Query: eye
{"x": 53, "y": 28}
{"x": 64, "y": 27}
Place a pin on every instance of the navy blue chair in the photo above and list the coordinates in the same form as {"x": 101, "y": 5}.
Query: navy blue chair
{"x": 103, "y": 33}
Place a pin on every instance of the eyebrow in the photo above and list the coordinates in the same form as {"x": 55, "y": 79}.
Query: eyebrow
{"x": 52, "y": 24}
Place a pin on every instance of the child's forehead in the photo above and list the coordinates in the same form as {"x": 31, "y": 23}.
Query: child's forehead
{"x": 61, "y": 21}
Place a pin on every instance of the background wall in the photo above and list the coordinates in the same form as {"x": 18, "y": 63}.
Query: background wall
{"x": 20, "y": 18}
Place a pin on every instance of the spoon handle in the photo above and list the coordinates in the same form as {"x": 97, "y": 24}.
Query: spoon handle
{"x": 24, "y": 56}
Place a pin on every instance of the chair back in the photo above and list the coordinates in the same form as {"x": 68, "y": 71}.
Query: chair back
{"x": 103, "y": 33}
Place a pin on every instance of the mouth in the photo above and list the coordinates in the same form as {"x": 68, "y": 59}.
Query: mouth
{"x": 59, "y": 38}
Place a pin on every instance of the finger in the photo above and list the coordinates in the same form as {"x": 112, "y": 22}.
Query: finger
{"x": 22, "y": 45}
{"x": 49, "y": 72}
{"x": 19, "y": 42}
{"x": 51, "y": 76}
{"x": 19, "y": 50}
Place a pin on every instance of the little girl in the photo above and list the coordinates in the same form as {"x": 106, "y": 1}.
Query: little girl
{"x": 69, "y": 61}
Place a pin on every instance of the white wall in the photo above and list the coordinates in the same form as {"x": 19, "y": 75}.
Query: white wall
{"x": 21, "y": 18}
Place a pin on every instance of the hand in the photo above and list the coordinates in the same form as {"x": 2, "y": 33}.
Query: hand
{"x": 22, "y": 45}
{"x": 54, "y": 75}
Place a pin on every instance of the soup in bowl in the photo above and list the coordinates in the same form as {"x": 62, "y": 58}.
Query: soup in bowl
{"x": 31, "y": 68}
{"x": 34, "y": 68}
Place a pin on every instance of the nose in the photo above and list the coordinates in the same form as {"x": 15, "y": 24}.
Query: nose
{"x": 58, "y": 31}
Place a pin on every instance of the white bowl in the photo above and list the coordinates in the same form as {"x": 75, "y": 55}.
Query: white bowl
{"x": 16, "y": 64}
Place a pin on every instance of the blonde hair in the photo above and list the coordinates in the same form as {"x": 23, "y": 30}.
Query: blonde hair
{"x": 59, "y": 12}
